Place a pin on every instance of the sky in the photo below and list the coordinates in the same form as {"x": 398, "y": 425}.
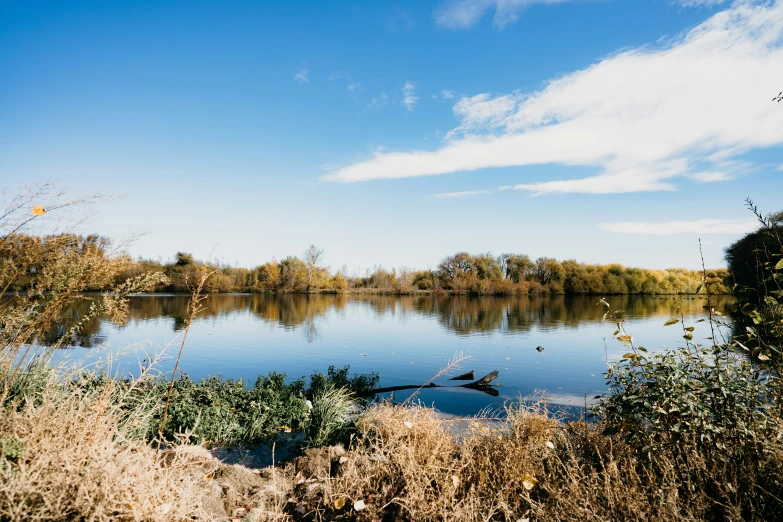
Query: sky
{"x": 396, "y": 133}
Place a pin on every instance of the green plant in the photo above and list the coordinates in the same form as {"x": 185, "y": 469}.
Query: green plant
{"x": 331, "y": 416}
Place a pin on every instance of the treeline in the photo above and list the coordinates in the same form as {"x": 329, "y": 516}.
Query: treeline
{"x": 461, "y": 273}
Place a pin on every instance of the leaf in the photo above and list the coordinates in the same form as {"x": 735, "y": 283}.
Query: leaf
{"x": 343, "y": 460}
{"x": 550, "y": 444}
{"x": 625, "y": 339}
{"x": 359, "y": 505}
{"x": 688, "y": 337}
{"x": 339, "y": 503}
{"x": 690, "y": 329}
{"x": 528, "y": 482}
{"x": 38, "y": 210}
{"x": 779, "y": 264}
{"x": 763, "y": 357}
{"x": 671, "y": 322}
{"x": 408, "y": 424}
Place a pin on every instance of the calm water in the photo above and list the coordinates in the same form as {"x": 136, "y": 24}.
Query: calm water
{"x": 405, "y": 339}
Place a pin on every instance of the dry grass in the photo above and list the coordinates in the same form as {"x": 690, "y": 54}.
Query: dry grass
{"x": 72, "y": 462}
{"x": 411, "y": 464}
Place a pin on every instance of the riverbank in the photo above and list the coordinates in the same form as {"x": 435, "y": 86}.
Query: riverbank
{"x": 68, "y": 457}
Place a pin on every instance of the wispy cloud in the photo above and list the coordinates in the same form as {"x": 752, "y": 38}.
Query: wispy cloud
{"x": 379, "y": 101}
{"x": 711, "y": 177}
{"x": 399, "y": 21}
{"x": 355, "y": 89}
{"x": 301, "y": 76}
{"x": 463, "y": 14}
{"x": 465, "y": 194}
{"x": 409, "y": 96}
{"x": 699, "y": 3}
{"x": 702, "y": 226}
{"x": 642, "y": 118}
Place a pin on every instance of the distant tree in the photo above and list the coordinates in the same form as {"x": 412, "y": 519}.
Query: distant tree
{"x": 518, "y": 267}
{"x": 312, "y": 257}
{"x": 183, "y": 259}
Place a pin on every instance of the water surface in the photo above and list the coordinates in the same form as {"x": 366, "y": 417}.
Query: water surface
{"x": 406, "y": 339}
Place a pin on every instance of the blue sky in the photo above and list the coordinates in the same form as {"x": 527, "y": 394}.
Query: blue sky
{"x": 400, "y": 132}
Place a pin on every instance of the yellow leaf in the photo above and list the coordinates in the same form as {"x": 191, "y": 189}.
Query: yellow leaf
{"x": 763, "y": 357}
{"x": 625, "y": 339}
{"x": 671, "y": 322}
{"x": 528, "y": 482}
{"x": 38, "y": 210}
{"x": 339, "y": 503}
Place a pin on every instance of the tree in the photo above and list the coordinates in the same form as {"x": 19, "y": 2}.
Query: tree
{"x": 747, "y": 256}
{"x": 312, "y": 257}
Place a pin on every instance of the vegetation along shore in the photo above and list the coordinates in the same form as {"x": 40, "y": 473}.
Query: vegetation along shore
{"x": 687, "y": 433}
{"x": 461, "y": 273}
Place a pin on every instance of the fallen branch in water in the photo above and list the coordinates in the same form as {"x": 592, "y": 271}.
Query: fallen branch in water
{"x": 483, "y": 385}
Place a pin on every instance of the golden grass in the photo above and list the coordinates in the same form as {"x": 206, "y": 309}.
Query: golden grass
{"x": 411, "y": 464}
{"x": 75, "y": 464}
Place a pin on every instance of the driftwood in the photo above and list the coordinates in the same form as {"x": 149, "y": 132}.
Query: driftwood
{"x": 467, "y": 376}
{"x": 483, "y": 385}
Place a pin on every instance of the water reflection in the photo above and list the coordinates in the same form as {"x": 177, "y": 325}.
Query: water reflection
{"x": 406, "y": 339}
{"x": 461, "y": 315}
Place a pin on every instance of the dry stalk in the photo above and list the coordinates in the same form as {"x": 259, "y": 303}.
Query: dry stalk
{"x": 194, "y": 307}
{"x": 454, "y": 364}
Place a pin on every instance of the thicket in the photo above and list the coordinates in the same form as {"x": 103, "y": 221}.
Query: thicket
{"x": 507, "y": 274}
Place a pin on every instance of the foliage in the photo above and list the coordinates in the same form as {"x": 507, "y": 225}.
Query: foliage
{"x": 331, "y": 417}
{"x": 227, "y": 412}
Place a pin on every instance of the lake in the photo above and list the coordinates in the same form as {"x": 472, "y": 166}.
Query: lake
{"x": 406, "y": 339}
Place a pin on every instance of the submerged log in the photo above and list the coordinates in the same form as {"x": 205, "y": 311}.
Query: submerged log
{"x": 483, "y": 385}
{"x": 484, "y": 381}
{"x": 467, "y": 376}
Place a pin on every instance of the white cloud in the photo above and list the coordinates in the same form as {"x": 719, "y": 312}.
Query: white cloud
{"x": 447, "y": 94}
{"x": 301, "y": 76}
{"x": 409, "y": 96}
{"x": 642, "y": 118}
{"x": 711, "y": 177}
{"x": 702, "y": 226}
{"x": 449, "y": 195}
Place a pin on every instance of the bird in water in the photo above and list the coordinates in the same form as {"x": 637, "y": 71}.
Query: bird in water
{"x": 540, "y": 348}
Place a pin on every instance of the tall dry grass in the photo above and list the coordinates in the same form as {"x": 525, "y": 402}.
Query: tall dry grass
{"x": 412, "y": 464}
